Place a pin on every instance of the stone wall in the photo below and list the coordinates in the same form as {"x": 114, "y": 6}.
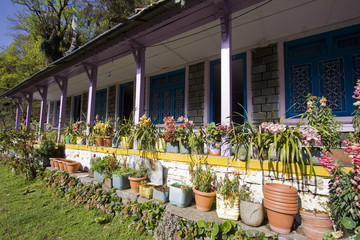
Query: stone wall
{"x": 265, "y": 83}
{"x": 196, "y": 94}
{"x": 111, "y": 101}
{"x": 312, "y": 192}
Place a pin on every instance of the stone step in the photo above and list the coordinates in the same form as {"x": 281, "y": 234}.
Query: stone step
{"x": 190, "y": 212}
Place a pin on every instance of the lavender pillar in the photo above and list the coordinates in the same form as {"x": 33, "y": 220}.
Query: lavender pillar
{"x": 92, "y": 75}
{"x": 63, "y": 85}
{"x": 18, "y": 113}
{"x": 43, "y": 94}
{"x": 226, "y": 96}
{"x": 139, "y": 56}
{"x": 29, "y": 99}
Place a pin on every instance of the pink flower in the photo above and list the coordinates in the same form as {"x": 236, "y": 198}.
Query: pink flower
{"x": 356, "y": 198}
{"x": 338, "y": 190}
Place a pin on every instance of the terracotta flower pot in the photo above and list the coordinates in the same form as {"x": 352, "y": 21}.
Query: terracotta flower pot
{"x": 280, "y": 222}
{"x": 72, "y": 167}
{"x": 203, "y": 200}
{"x": 107, "y": 141}
{"x": 135, "y": 183}
{"x": 281, "y": 202}
{"x": 51, "y": 162}
{"x": 61, "y": 165}
{"x": 56, "y": 163}
{"x": 99, "y": 141}
{"x": 315, "y": 224}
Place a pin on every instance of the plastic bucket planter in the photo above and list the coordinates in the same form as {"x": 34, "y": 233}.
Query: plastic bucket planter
{"x": 226, "y": 208}
{"x": 99, "y": 176}
{"x": 180, "y": 195}
{"x": 172, "y": 147}
{"x": 161, "y": 193}
{"x": 121, "y": 181}
{"x": 146, "y": 190}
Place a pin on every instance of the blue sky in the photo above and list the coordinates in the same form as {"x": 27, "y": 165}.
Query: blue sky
{"x": 7, "y": 9}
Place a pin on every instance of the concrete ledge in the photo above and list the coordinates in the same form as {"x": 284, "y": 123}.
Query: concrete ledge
{"x": 211, "y": 160}
{"x": 190, "y": 212}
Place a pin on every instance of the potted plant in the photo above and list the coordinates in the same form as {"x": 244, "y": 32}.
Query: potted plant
{"x": 146, "y": 134}
{"x": 202, "y": 179}
{"x": 344, "y": 190}
{"x": 78, "y": 132}
{"x": 137, "y": 177}
{"x": 99, "y": 132}
{"x": 320, "y": 117}
{"x": 251, "y": 212}
{"x": 125, "y": 133}
{"x": 146, "y": 189}
{"x": 214, "y": 133}
{"x": 315, "y": 223}
{"x": 109, "y": 131}
{"x": 120, "y": 177}
{"x": 160, "y": 144}
{"x": 67, "y": 132}
{"x": 180, "y": 194}
{"x": 183, "y": 133}
{"x": 99, "y": 167}
{"x": 170, "y": 135}
{"x": 227, "y": 197}
{"x": 48, "y": 149}
{"x": 161, "y": 193}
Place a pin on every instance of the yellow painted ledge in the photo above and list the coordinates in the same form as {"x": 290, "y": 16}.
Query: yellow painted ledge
{"x": 212, "y": 160}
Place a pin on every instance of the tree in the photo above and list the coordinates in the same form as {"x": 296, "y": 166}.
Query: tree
{"x": 50, "y": 20}
{"x": 19, "y": 60}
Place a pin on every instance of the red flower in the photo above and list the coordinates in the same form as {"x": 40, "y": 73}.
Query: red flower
{"x": 94, "y": 155}
{"x": 4, "y": 138}
{"x": 44, "y": 138}
{"x": 181, "y": 125}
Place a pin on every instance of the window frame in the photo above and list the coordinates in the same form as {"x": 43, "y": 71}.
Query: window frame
{"x": 328, "y": 52}
{"x": 168, "y": 86}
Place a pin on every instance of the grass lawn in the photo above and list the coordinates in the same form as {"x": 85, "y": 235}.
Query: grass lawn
{"x": 29, "y": 211}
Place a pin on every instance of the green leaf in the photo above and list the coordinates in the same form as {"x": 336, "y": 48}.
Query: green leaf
{"x": 201, "y": 223}
{"x": 226, "y": 227}
{"x": 133, "y": 218}
{"x": 215, "y": 229}
{"x": 348, "y": 223}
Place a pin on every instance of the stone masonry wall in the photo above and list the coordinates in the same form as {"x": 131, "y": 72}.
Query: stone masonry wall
{"x": 84, "y": 106}
{"x": 312, "y": 192}
{"x": 196, "y": 94}
{"x": 265, "y": 83}
{"x": 111, "y": 102}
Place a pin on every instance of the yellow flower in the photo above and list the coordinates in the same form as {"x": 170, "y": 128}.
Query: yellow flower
{"x": 323, "y": 101}
{"x": 313, "y": 97}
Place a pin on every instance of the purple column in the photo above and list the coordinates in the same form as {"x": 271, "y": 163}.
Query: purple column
{"x": 43, "y": 94}
{"x": 92, "y": 75}
{"x": 63, "y": 85}
{"x": 18, "y": 113}
{"x": 226, "y": 96}
{"x": 29, "y": 98}
{"x": 139, "y": 56}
